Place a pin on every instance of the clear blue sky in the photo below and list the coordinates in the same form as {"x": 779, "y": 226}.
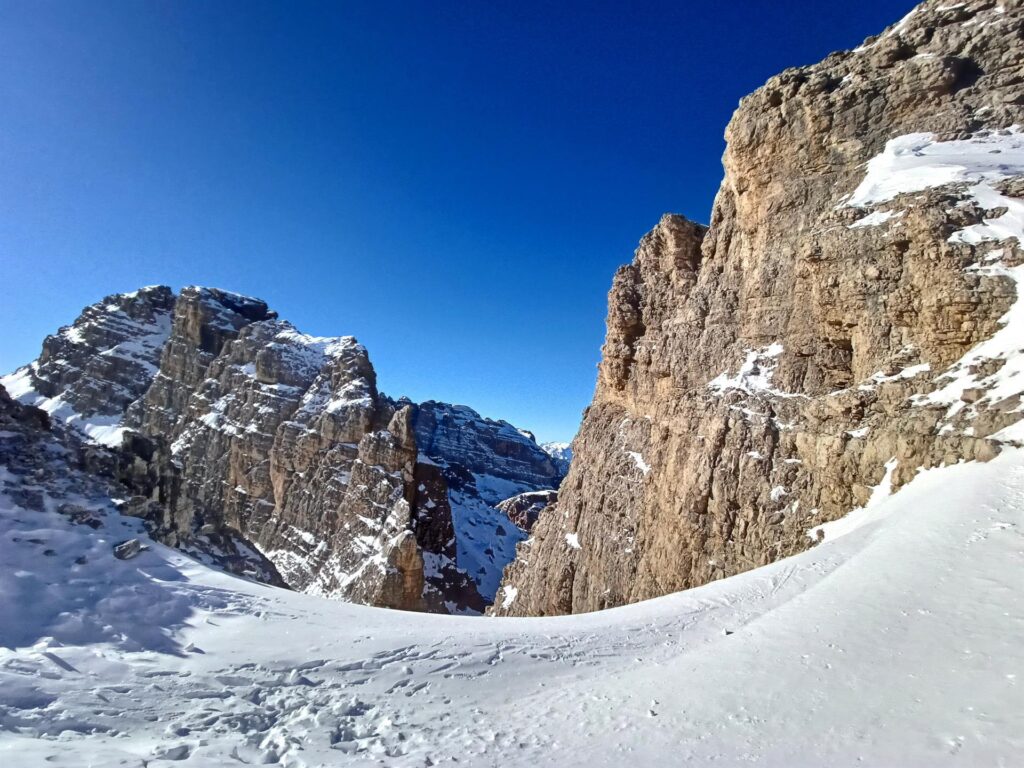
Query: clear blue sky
{"x": 454, "y": 183}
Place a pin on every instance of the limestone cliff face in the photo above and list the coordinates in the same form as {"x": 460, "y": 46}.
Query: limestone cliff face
{"x": 284, "y": 438}
{"x": 237, "y": 435}
{"x": 836, "y": 328}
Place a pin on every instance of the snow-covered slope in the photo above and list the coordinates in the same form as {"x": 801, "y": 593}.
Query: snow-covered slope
{"x": 894, "y": 644}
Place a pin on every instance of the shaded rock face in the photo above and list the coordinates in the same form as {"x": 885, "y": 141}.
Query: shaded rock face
{"x": 483, "y": 462}
{"x": 233, "y": 433}
{"x": 460, "y": 435}
{"x": 838, "y": 326}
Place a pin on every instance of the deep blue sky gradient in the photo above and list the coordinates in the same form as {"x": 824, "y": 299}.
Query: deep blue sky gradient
{"x": 454, "y": 183}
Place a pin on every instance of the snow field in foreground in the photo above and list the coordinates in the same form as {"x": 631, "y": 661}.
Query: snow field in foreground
{"x": 895, "y": 644}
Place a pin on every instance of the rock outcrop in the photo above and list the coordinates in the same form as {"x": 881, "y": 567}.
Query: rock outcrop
{"x": 233, "y": 431}
{"x": 525, "y": 509}
{"x": 49, "y": 465}
{"x": 848, "y": 318}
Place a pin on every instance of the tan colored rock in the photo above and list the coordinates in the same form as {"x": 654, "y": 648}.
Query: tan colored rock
{"x": 757, "y": 378}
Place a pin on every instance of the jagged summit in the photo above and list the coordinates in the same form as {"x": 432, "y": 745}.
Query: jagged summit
{"x": 228, "y": 421}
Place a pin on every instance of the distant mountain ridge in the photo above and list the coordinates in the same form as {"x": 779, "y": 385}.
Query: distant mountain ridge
{"x": 226, "y": 419}
{"x": 561, "y": 453}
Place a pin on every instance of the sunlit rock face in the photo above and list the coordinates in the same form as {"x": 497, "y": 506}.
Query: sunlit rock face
{"x": 89, "y": 372}
{"x": 232, "y": 429}
{"x": 850, "y": 316}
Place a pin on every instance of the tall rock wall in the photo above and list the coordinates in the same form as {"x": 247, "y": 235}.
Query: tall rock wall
{"x": 284, "y": 438}
{"x": 844, "y": 321}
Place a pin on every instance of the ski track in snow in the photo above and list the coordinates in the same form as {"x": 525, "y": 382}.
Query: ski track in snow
{"x": 897, "y": 643}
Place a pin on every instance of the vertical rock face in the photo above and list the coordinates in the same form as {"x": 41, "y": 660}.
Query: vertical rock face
{"x": 239, "y": 436}
{"x": 845, "y": 321}
{"x": 284, "y": 438}
{"x": 205, "y": 319}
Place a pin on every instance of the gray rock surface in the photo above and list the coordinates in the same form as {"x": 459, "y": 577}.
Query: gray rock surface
{"x": 89, "y": 372}
{"x": 233, "y": 432}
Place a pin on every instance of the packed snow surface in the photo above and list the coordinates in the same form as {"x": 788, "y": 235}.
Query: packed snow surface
{"x": 897, "y": 643}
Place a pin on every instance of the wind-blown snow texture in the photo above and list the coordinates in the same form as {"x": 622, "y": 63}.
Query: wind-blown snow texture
{"x": 893, "y": 644}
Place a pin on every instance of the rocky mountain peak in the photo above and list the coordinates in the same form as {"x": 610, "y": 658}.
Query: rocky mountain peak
{"x": 234, "y": 429}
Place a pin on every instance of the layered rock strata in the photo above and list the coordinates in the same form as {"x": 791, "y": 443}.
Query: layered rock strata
{"x": 850, "y": 316}
{"x": 228, "y": 425}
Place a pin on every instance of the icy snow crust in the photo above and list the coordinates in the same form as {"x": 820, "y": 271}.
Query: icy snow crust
{"x": 895, "y": 644}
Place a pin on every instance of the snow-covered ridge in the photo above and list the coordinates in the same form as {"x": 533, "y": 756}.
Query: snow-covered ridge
{"x": 90, "y": 371}
{"x": 485, "y": 462}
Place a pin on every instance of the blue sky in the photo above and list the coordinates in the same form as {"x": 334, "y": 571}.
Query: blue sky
{"x": 454, "y": 183}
